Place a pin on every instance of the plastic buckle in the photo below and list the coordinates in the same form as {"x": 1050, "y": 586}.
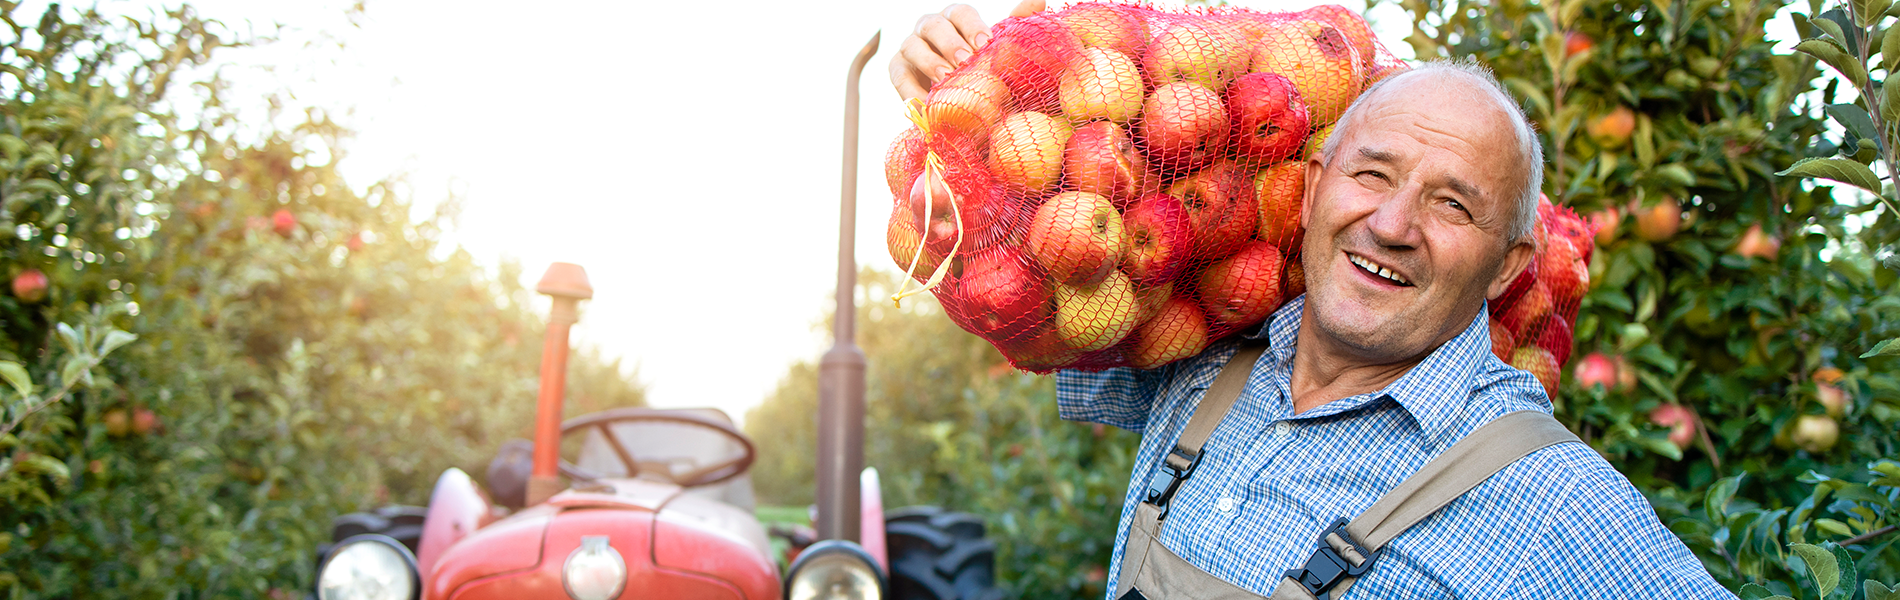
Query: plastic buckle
{"x": 1167, "y": 480}
{"x": 1326, "y": 568}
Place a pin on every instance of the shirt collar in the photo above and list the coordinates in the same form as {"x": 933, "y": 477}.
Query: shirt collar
{"x": 1435, "y": 392}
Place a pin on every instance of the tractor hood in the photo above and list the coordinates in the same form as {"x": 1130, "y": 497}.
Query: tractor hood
{"x": 675, "y": 546}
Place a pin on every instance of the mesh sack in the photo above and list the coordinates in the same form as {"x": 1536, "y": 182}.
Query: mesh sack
{"x": 1113, "y": 185}
{"x": 1531, "y": 322}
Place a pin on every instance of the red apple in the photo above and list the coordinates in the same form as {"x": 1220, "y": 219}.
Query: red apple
{"x": 1150, "y": 298}
{"x": 1680, "y": 420}
{"x": 1625, "y": 374}
{"x": 1244, "y": 288}
{"x": 1295, "y": 278}
{"x": 1218, "y": 211}
{"x": 1160, "y": 238}
{"x": 1832, "y": 398}
{"x": 1660, "y": 222}
{"x": 1101, "y": 159}
{"x": 1077, "y": 237}
{"x": 1039, "y": 350}
{"x": 1563, "y": 271}
{"x": 1269, "y": 119}
{"x": 904, "y": 161}
{"x": 1350, "y": 25}
{"x": 1596, "y": 370}
{"x": 1002, "y": 293}
{"x": 1178, "y": 330}
{"x": 1205, "y": 53}
{"x": 1101, "y": 84}
{"x": 1541, "y": 365}
{"x": 904, "y": 241}
{"x": 1029, "y": 54}
{"x": 1094, "y": 317}
{"x": 1026, "y": 151}
{"x": 1555, "y": 336}
{"x": 940, "y": 202}
{"x": 1815, "y": 433}
{"x": 1527, "y": 311}
{"x": 1320, "y": 61}
{"x": 1755, "y": 244}
{"x": 1183, "y": 126}
{"x": 970, "y": 102}
{"x": 1102, "y": 25}
{"x": 30, "y": 286}
{"x": 283, "y": 222}
{"x": 143, "y": 422}
{"x": 1501, "y": 340}
{"x": 1278, "y": 192}
{"x": 1612, "y": 129}
{"x": 1575, "y": 42}
{"x": 1605, "y": 222}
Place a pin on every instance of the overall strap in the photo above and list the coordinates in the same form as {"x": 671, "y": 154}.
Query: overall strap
{"x": 1348, "y": 549}
{"x": 1178, "y": 464}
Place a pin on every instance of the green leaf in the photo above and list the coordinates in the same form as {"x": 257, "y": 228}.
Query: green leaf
{"x": 16, "y": 376}
{"x": 43, "y": 464}
{"x": 1754, "y": 591}
{"x": 70, "y": 337}
{"x": 1886, "y": 348}
{"x": 115, "y": 339}
{"x": 1835, "y": 56}
{"x": 1849, "y": 572}
{"x": 1832, "y": 28}
{"x": 1870, "y": 11}
{"x": 1719, "y": 495}
{"x": 1854, "y": 118}
{"x": 1879, "y": 591}
{"x": 1890, "y": 101}
{"x": 1822, "y": 567}
{"x": 73, "y": 370}
{"x": 1838, "y": 169}
{"x": 1890, "y": 52}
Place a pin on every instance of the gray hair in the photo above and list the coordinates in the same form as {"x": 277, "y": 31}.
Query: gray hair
{"x": 1527, "y": 145}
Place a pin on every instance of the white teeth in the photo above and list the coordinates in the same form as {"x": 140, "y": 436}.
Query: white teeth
{"x": 1377, "y": 270}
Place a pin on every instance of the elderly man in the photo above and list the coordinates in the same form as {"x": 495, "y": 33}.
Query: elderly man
{"x": 1343, "y": 446}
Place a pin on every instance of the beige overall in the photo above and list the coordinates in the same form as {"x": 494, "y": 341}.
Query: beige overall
{"x": 1347, "y": 550}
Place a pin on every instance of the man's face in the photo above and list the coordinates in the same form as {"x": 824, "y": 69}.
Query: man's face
{"x": 1408, "y": 226}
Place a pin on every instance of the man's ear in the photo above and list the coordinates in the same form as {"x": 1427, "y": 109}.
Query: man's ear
{"x": 1314, "y": 168}
{"x": 1515, "y": 261}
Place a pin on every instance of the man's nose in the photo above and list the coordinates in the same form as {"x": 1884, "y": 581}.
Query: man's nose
{"x": 1394, "y": 224}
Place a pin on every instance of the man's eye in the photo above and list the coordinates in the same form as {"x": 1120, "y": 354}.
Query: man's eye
{"x": 1377, "y": 174}
{"x": 1458, "y": 205}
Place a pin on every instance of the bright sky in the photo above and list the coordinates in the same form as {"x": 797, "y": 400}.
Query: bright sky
{"x": 686, "y": 153}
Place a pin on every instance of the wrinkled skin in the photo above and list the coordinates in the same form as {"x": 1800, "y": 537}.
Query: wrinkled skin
{"x": 1426, "y": 193}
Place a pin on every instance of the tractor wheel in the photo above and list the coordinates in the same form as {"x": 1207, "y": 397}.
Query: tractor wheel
{"x": 938, "y": 555}
{"x": 404, "y": 523}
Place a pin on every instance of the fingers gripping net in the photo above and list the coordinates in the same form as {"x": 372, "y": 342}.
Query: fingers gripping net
{"x": 1113, "y": 185}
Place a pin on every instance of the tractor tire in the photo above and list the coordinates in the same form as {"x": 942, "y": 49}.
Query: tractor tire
{"x": 939, "y": 555}
{"x": 404, "y": 523}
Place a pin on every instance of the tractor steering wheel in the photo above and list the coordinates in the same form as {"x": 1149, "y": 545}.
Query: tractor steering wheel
{"x": 603, "y": 422}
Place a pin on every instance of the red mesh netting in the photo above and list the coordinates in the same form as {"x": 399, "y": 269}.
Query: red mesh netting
{"x": 1113, "y": 185}
{"x": 1530, "y": 323}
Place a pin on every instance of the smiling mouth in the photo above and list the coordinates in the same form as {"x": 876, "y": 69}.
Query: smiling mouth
{"x": 1375, "y": 270}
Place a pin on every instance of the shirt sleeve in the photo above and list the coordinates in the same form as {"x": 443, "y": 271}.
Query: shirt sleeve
{"x": 1604, "y": 541}
{"x": 1121, "y": 397}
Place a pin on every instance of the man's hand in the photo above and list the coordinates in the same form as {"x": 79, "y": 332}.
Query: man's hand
{"x": 941, "y": 42}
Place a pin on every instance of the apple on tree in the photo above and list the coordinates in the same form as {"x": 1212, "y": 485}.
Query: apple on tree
{"x": 1220, "y": 216}
{"x": 1596, "y": 370}
{"x": 1101, "y": 84}
{"x": 1242, "y": 289}
{"x": 1269, "y": 118}
{"x": 1815, "y": 433}
{"x": 1680, "y": 420}
{"x": 1178, "y": 330}
{"x": 1160, "y": 239}
{"x": 30, "y": 286}
{"x": 1094, "y": 317}
{"x": 283, "y": 222}
{"x": 1183, "y": 126}
{"x": 1077, "y": 237}
{"x": 1101, "y": 159}
{"x": 1660, "y": 222}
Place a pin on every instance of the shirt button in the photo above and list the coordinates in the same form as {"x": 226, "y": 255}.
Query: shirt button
{"x": 1282, "y": 429}
{"x": 1224, "y": 505}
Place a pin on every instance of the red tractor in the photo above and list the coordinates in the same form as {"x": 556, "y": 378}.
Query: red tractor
{"x": 657, "y": 503}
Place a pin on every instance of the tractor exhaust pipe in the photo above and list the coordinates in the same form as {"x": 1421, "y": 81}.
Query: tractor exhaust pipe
{"x": 841, "y": 371}
{"x": 567, "y": 284}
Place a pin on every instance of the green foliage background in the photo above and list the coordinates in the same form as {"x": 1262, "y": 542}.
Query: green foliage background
{"x": 337, "y": 367}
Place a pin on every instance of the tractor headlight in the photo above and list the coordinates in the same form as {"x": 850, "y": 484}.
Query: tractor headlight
{"x": 594, "y": 571}
{"x": 369, "y": 567}
{"x": 834, "y": 570}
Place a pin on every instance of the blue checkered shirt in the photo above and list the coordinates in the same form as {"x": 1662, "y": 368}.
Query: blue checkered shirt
{"x": 1559, "y": 523}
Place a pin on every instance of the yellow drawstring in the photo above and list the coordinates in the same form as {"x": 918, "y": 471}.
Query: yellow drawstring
{"x": 933, "y": 167}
